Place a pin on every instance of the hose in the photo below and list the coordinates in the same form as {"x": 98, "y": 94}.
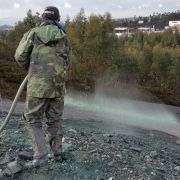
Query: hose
{"x": 14, "y": 103}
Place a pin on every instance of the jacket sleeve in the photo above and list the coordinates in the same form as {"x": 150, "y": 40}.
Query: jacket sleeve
{"x": 24, "y": 49}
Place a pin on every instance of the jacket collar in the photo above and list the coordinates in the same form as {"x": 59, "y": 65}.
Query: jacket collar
{"x": 47, "y": 21}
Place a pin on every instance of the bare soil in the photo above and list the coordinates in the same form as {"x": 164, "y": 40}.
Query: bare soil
{"x": 99, "y": 150}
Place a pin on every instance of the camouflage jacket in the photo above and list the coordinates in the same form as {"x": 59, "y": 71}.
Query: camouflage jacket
{"x": 44, "y": 52}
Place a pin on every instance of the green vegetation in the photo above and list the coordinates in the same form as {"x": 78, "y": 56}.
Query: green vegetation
{"x": 149, "y": 61}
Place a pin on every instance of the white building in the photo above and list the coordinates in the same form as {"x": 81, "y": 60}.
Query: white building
{"x": 140, "y": 22}
{"x": 174, "y": 24}
{"x": 121, "y": 31}
{"x": 145, "y": 29}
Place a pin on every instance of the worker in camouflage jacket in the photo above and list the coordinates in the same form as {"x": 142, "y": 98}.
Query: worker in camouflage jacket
{"x": 43, "y": 51}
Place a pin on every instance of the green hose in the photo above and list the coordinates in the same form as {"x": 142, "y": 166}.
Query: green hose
{"x": 14, "y": 103}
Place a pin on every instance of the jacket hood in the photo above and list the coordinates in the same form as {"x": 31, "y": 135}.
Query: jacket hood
{"x": 48, "y": 33}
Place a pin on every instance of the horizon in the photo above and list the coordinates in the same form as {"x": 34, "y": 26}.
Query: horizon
{"x": 13, "y": 21}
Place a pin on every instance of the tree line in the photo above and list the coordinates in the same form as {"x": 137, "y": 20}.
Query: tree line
{"x": 154, "y": 19}
{"x": 150, "y": 61}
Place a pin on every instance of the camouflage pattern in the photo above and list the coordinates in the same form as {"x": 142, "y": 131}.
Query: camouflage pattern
{"x": 44, "y": 52}
{"x": 35, "y": 110}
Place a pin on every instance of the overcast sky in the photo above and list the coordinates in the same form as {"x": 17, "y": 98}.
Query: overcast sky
{"x": 13, "y": 10}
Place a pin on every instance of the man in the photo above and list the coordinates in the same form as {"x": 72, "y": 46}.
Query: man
{"x": 43, "y": 51}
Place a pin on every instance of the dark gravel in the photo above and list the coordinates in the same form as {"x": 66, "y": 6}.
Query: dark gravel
{"x": 98, "y": 153}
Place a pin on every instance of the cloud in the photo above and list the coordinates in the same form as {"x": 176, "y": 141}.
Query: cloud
{"x": 178, "y": 4}
{"x": 160, "y": 5}
{"x": 67, "y": 5}
{"x": 16, "y": 5}
{"x": 119, "y": 6}
{"x": 146, "y": 5}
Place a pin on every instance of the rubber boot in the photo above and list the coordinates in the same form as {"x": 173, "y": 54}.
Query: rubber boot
{"x": 36, "y": 163}
{"x": 56, "y": 147}
{"x": 38, "y": 142}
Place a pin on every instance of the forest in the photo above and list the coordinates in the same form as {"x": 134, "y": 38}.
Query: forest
{"x": 149, "y": 61}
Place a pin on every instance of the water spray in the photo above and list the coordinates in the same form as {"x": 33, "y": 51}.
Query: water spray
{"x": 14, "y": 104}
{"x": 124, "y": 111}
{"x": 115, "y": 111}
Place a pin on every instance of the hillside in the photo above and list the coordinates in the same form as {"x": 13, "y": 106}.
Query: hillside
{"x": 148, "y": 61}
{"x": 155, "y": 19}
{"x": 99, "y": 148}
{"x": 6, "y": 27}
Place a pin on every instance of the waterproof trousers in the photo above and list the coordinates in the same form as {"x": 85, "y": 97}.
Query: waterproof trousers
{"x": 35, "y": 111}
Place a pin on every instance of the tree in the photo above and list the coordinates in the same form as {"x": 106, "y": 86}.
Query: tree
{"x": 177, "y": 36}
{"x": 15, "y": 35}
{"x": 161, "y": 66}
{"x": 145, "y": 64}
{"x": 168, "y": 39}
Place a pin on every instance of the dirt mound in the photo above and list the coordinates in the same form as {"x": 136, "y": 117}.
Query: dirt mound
{"x": 96, "y": 153}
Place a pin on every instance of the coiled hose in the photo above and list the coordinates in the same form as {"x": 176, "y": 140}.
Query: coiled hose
{"x": 14, "y": 103}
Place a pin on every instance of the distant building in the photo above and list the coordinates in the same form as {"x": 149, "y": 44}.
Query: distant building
{"x": 121, "y": 31}
{"x": 166, "y": 27}
{"x": 140, "y": 22}
{"x": 174, "y": 24}
{"x": 159, "y": 26}
{"x": 144, "y": 29}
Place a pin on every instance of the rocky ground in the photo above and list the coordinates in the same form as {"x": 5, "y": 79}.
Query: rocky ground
{"x": 96, "y": 152}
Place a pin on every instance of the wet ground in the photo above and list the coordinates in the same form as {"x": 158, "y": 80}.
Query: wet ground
{"x": 99, "y": 149}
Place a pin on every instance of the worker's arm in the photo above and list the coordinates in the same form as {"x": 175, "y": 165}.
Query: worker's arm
{"x": 24, "y": 49}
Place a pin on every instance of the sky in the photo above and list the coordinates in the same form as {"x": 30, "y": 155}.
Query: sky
{"x": 13, "y": 10}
